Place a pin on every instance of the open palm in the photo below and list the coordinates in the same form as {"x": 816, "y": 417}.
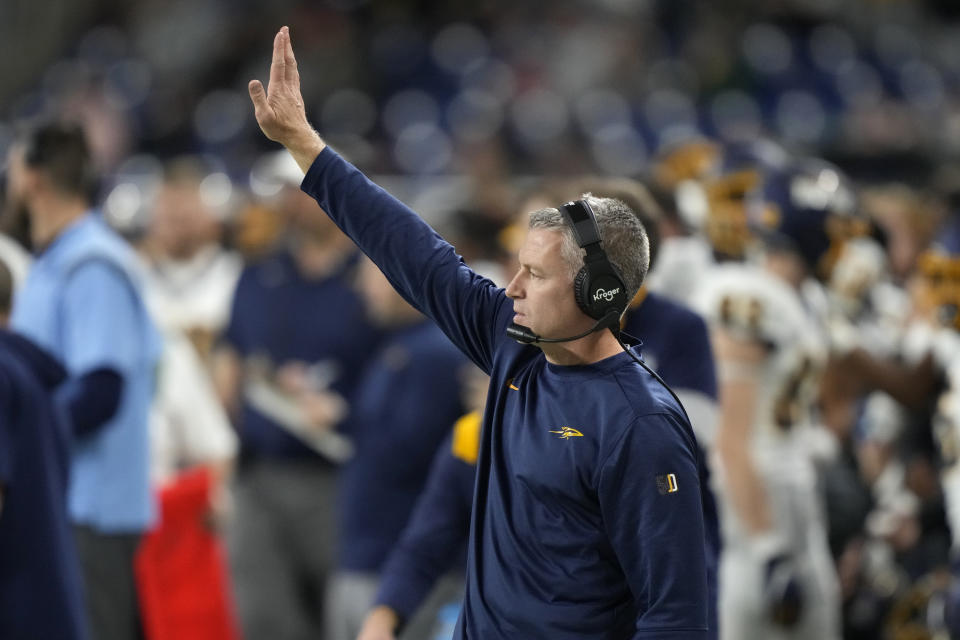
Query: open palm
{"x": 280, "y": 110}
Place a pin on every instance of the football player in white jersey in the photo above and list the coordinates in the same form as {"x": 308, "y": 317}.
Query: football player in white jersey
{"x": 777, "y": 578}
{"x": 911, "y": 359}
{"x": 679, "y": 168}
{"x": 938, "y": 299}
{"x": 710, "y": 188}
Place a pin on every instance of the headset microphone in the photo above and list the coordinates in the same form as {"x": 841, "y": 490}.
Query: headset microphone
{"x": 524, "y": 335}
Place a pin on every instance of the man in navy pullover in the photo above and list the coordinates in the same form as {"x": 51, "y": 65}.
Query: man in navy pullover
{"x": 588, "y": 517}
{"x": 676, "y": 342}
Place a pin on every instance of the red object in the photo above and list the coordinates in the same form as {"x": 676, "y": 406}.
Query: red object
{"x": 181, "y": 570}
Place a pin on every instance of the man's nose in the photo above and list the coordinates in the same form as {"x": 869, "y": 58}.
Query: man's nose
{"x": 513, "y": 289}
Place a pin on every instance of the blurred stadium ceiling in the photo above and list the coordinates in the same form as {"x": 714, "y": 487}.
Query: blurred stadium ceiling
{"x": 34, "y": 33}
{"x": 407, "y": 85}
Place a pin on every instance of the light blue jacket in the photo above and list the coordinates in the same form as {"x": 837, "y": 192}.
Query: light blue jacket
{"x": 81, "y": 301}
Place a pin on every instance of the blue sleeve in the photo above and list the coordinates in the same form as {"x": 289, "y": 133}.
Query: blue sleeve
{"x": 691, "y": 365}
{"x": 649, "y": 492}
{"x": 436, "y": 531}
{"x": 422, "y": 267}
{"x": 7, "y": 438}
{"x": 91, "y": 400}
{"x": 103, "y": 320}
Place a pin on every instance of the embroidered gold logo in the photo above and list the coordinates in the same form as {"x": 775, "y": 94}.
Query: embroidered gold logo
{"x": 565, "y": 433}
{"x": 667, "y": 484}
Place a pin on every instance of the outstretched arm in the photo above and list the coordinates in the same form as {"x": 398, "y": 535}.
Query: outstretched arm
{"x": 420, "y": 265}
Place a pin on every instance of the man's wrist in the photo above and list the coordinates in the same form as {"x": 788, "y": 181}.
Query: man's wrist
{"x": 305, "y": 147}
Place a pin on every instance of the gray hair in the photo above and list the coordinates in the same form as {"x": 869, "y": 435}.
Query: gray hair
{"x": 624, "y": 239}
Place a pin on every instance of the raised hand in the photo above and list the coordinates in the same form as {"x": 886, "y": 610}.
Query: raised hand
{"x": 280, "y": 110}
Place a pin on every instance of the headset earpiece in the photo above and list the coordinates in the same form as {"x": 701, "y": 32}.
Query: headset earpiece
{"x": 597, "y": 288}
{"x": 580, "y": 284}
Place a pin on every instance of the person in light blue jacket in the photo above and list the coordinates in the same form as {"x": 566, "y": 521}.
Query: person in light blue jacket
{"x": 81, "y": 302}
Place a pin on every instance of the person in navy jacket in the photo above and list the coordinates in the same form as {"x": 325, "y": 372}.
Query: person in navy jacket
{"x": 588, "y": 516}
{"x": 41, "y": 592}
{"x": 406, "y": 400}
{"x": 675, "y": 342}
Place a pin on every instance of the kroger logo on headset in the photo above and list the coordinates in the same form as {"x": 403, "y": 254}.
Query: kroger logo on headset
{"x": 607, "y": 296}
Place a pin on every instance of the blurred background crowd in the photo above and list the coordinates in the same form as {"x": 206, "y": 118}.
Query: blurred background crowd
{"x": 421, "y": 88}
{"x": 474, "y": 113}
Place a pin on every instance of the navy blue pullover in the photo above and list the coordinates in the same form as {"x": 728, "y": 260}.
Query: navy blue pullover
{"x": 407, "y": 400}
{"x": 439, "y": 526}
{"x": 587, "y": 517}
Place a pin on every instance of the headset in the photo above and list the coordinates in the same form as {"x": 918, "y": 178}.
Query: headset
{"x": 598, "y": 287}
